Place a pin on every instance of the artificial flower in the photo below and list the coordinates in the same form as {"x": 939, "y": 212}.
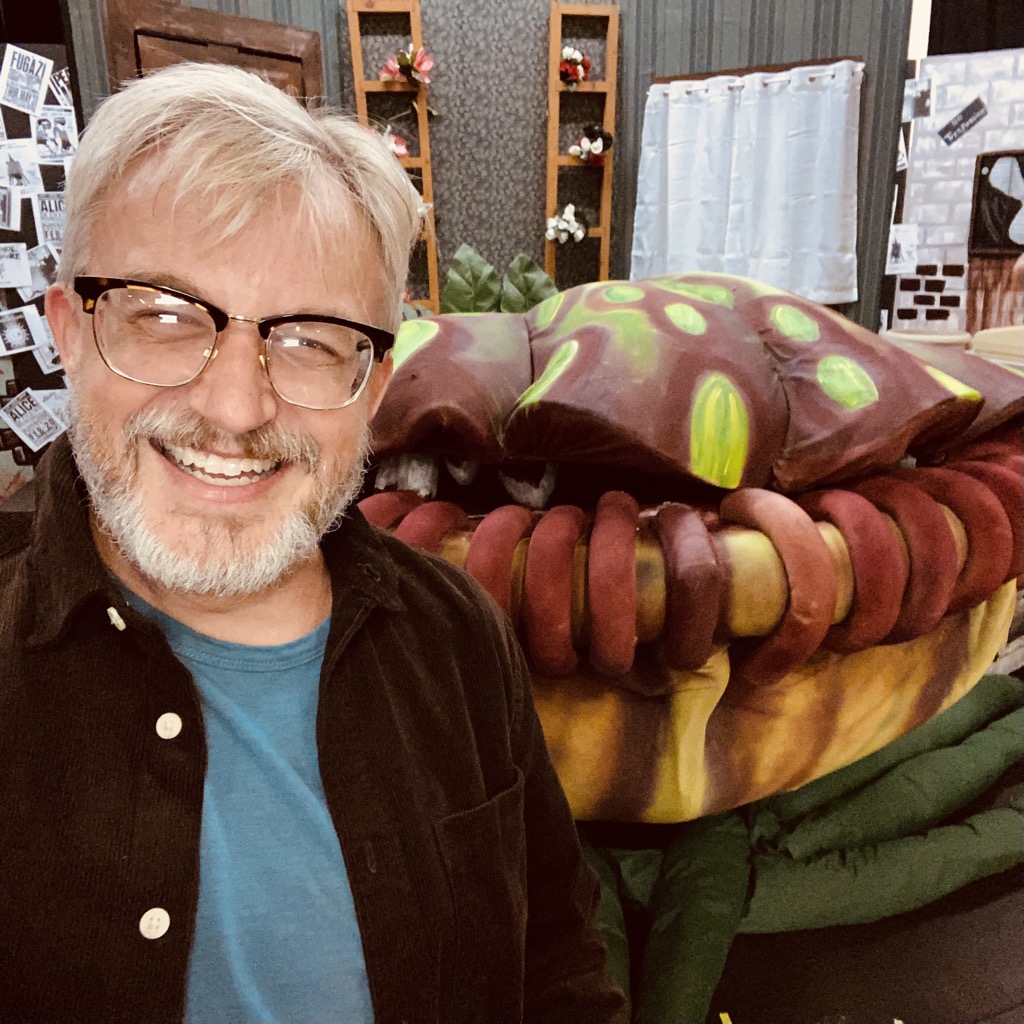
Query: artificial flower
{"x": 566, "y": 225}
{"x": 574, "y": 67}
{"x": 406, "y": 66}
{"x": 592, "y": 145}
{"x": 396, "y": 143}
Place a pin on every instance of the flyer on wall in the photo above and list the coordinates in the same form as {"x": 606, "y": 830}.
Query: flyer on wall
{"x": 24, "y": 79}
{"x": 21, "y": 329}
{"x": 56, "y": 133}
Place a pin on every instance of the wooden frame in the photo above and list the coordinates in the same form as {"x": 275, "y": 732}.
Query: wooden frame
{"x": 364, "y": 86}
{"x": 556, "y": 89}
{"x": 169, "y": 19}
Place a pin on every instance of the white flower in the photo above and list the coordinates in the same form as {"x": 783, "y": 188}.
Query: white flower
{"x": 596, "y": 146}
{"x": 575, "y": 151}
{"x": 550, "y": 234}
{"x": 576, "y": 57}
{"x": 567, "y": 52}
{"x": 570, "y": 211}
{"x": 579, "y": 233}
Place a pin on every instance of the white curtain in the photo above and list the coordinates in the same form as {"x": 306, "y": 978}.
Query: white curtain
{"x": 753, "y": 175}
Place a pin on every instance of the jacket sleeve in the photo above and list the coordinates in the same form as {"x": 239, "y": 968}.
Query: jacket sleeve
{"x": 565, "y": 978}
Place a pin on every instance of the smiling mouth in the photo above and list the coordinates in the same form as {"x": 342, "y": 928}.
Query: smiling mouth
{"x": 217, "y": 470}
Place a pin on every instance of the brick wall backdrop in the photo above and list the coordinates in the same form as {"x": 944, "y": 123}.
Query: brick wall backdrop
{"x": 940, "y": 179}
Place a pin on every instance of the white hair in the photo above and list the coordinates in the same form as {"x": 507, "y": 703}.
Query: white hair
{"x": 234, "y": 145}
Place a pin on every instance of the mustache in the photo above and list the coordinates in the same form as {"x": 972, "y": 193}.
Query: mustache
{"x": 190, "y": 430}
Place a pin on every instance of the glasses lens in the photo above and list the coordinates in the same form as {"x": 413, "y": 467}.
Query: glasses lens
{"x": 153, "y": 337}
{"x": 319, "y": 366}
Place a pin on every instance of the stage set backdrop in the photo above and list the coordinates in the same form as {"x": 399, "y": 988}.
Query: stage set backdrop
{"x": 490, "y": 88}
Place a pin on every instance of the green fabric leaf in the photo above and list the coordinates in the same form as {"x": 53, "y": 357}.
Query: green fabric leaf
{"x": 915, "y": 795}
{"x": 525, "y": 286}
{"x": 696, "y": 908}
{"x": 473, "y": 285}
{"x": 867, "y": 883}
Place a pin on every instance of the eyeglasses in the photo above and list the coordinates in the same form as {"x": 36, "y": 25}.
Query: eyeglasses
{"x": 166, "y": 338}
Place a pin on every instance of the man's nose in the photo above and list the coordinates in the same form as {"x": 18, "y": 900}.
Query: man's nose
{"x": 234, "y": 390}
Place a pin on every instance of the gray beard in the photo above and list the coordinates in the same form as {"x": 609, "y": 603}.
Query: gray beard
{"x": 219, "y": 559}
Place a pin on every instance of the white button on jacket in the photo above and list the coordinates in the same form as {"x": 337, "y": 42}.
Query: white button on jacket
{"x": 154, "y": 923}
{"x": 168, "y": 725}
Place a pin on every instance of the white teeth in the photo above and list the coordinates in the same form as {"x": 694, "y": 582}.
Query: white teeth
{"x": 216, "y": 469}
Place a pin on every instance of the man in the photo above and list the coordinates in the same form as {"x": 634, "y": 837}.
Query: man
{"x": 260, "y": 762}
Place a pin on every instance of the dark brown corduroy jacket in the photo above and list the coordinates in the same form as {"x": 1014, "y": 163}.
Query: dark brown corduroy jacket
{"x": 471, "y": 896}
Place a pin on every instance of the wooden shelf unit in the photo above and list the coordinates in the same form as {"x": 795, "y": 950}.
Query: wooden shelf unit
{"x": 417, "y": 93}
{"x": 605, "y": 88}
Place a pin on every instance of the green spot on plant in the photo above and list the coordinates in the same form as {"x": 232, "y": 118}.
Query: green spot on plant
{"x": 958, "y": 387}
{"x": 411, "y": 337}
{"x": 634, "y": 336}
{"x": 794, "y": 323}
{"x": 623, "y": 293}
{"x": 719, "y": 432}
{"x": 686, "y": 318}
{"x": 545, "y": 312}
{"x": 846, "y": 382}
{"x": 563, "y": 356}
{"x": 705, "y": 292}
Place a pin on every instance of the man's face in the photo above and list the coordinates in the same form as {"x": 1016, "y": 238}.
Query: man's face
{"x": 171, "y": 493}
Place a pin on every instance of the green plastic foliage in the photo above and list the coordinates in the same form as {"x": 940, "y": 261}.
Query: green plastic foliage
{"x": 958, "y": 387}
{"x": 719, "y": 432}
{"x": 411, "y": 337}
{"x": 686, "y": 318}
{"x": 846, "y": 382}
{"x": 794, "y": 323}
{"x": 525, "y": 285}
{"x": 473, "y": 285}
{"x": 562, "y": 357}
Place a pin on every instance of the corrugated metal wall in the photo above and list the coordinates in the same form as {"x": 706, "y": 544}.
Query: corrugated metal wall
{"x": 680, "y": 37}
{"x": 659, "y": 37}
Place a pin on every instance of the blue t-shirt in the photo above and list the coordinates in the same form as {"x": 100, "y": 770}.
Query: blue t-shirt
{"x": 276, "y": 934}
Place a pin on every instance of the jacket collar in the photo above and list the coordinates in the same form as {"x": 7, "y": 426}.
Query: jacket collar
{"x": 66, "y": 569}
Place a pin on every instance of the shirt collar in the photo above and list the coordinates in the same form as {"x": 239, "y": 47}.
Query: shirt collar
{"x": 67, "y": 572}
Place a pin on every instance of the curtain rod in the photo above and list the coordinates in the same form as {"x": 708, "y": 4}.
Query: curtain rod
{"x": 772, "y": 68}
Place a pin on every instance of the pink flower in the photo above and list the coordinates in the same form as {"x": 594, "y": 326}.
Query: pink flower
{"x": 397, "y": 144}
{"x": 391, "y": 72}
{"x": 422, "y": 65}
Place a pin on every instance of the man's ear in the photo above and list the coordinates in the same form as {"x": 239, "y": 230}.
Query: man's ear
{"x": 65, "y": 324}
{"x": 378, "y": 383}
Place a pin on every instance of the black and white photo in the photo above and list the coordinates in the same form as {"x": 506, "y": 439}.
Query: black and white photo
{"x": 46, "y": 355}
{"x": 56, "y": 133}
{"x": 21, "y": 330}
{"x": 42, "y": 263}
{"x": 19, "y": 166}
{"x": 14, "y": 267}
{"x": 10, "y": 208}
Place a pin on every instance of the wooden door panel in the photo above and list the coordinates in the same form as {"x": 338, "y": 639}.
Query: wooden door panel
{"x": 159, "y": 52}
{"x": 143, "y": 35}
